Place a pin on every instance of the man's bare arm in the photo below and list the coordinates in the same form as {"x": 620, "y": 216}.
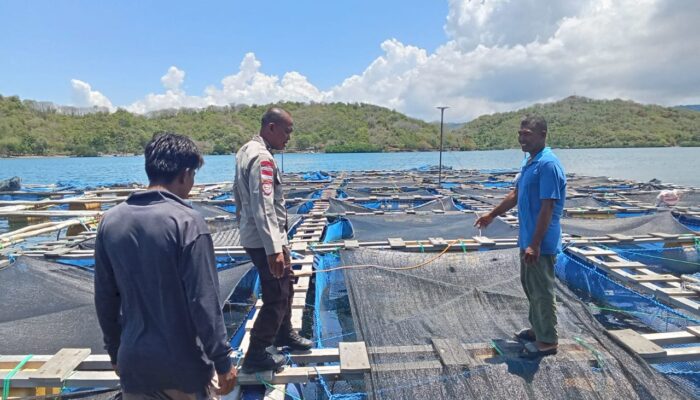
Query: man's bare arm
{"x": 509, "y": 202}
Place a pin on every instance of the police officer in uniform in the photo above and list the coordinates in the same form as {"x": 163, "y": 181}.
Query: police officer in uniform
{"x": 263, "y": 228}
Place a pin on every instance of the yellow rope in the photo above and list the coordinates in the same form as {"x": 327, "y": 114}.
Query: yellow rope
{"x": 362, "y": 266}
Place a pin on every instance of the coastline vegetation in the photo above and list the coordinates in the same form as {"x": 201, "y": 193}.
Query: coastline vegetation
{"x": 574, "y": 122}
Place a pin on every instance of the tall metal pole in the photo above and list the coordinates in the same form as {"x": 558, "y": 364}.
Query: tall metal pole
{"x": 442, "y": 114}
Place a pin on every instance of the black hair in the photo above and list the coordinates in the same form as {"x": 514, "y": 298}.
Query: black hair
{"x": 534, "y": 122}
{"x": 168, "y": 154}
{"x": 274, "y": 115}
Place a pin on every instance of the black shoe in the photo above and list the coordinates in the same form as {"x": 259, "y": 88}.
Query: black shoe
{"x": 258, "y": 361}
{"x": 294, "y": 341}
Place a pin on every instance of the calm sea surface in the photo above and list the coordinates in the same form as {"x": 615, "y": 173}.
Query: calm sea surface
{"x": 671, "y": 165}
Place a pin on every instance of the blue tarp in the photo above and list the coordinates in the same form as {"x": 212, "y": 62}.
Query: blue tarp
{"x": 316, "y": 176}
{"x": 338, "y": 230}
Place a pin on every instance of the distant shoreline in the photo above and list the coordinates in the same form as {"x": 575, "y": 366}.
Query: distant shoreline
{"x": 360, "y": 152}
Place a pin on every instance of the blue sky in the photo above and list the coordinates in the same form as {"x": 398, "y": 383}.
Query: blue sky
{"x": 476, "y": 56}
{"x": 123, "y": 47}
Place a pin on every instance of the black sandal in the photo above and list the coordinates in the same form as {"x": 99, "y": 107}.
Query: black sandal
{"x": 531, "y": 351}
{"x": 526, "y": 334}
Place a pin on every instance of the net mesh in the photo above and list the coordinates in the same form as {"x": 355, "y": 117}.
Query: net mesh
{"x": 423, "y": 226}
{"x": 62, "y": 312}
{"x": 475, "y": 300}
{"x": 639, "y": 225}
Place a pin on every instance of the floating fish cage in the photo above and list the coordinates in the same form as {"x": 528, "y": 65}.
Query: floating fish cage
{"x": 402, "y": 295}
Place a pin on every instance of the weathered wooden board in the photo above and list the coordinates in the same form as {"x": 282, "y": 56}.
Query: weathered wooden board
{"x": 353, "y": 357}
{"x": 637, "y": 343}
{"x": 58, "y": 367}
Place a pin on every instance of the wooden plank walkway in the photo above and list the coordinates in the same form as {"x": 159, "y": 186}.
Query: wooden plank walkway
{"x": 650, "y": 346}
{"x": 667, "y": 288}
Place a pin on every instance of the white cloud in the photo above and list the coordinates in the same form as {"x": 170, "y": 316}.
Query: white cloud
{"x": 173, "y": 78}
{"x": 500, "y": 55}
{"x": 84, "y": 96}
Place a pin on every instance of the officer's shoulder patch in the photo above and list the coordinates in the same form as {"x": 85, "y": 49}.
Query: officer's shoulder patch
{"x": 267, "y": 188}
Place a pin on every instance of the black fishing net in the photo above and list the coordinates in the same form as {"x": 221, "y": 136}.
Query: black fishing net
{"x": 299, "y": 194}
{"x": 383, "y": 183}
{"x": 474, "y": 302}
{"x": 687, "y": 199}
{"x": 387, "y": 192}
{"x": 421, "y": 226}
{"x": 210, "y": 211}
{"x": 578, "y": 202}
{"x": 343, "y": 206}
{"x": 471, "y": 191}
{"x": 589, "y": 182}
{"x": 47, "y": 306}
{"x": 662, "y": 222}
{"x": 229, "y": 237}
{"x": 443, "y": 204}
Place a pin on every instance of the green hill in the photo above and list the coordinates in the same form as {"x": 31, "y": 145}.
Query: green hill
{"x": 31, "y": 128}
{"x": 26, "y": 129}
{"x": 578, "y": 122}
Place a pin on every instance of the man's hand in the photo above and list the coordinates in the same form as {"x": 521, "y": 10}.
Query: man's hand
{"x": 276, "y": 263}
{"x": 288, "y": 259}
{"x": 227, "y": 381}
{"x": 532, "y": 254}
{"x": 484, "y": 221}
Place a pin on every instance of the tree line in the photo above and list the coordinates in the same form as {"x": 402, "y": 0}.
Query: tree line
{"x": 339, "y": 127}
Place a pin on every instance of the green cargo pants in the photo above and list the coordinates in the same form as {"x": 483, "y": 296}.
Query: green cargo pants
{"x": 538, "y": 282}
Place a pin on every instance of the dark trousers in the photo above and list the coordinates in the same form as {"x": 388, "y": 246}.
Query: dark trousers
{"x": 538, "y": 283}
{"x": 277, "y": 294}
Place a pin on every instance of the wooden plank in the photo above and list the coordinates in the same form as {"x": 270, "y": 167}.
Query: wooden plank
{"x": 682, "y": 354}
{"x": 416, "y": 366}
{"x": 302, "y": 284}
{"x": 92, "y": 379}
{"x": 664, "y": 235}
{"x": 297, "y": 303}
{"x": 297, "y": 319}
{"x": 58, "y": 367}
{"x": 620, "y": 237}
{"x": 290, "y": 375}
{"x": 592, "y": 251}
{"x": 396, "y": 243}
{"x": 656, "y": 278}
{"x": 401, "y": 349}
{"x": 666, "y": 338}
{"x": 484, "y": 241}
{"x": 637, "y": 343}
{"x": 299, "y": 246}
{"x": 622, "y": 264}
{"x": 437, "y": 241}
{"x": 353, "y": 357}
{"x": 451, "y": 352}
{"x": 694, "y": 330}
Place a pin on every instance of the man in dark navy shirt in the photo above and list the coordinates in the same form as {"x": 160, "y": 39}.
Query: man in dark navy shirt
{"x": 540, "y": 191}
{"x": 156, "y": 285}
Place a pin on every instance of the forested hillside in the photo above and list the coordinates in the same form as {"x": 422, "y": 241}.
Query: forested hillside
{"x": 335, "y": 127}
{"x": 577, "y": 122}
{"x": 26, "y": 129}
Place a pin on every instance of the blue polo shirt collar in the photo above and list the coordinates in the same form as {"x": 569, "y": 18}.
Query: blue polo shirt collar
{"x": 537, "y": 157}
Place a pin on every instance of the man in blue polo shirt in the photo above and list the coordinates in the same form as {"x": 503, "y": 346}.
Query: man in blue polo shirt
{"x": 540, "y": 191}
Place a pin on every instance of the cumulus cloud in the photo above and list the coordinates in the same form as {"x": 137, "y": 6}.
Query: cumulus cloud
{"x": 173, "y": 78}
{"x": 500, "y": 55}
{"x": 84, "y": 96}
